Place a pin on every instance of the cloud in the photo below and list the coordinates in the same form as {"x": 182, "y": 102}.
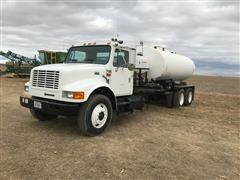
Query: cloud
{"x": 204, "y": 31}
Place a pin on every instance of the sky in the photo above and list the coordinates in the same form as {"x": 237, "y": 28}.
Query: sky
{"x": 205, "y": 31}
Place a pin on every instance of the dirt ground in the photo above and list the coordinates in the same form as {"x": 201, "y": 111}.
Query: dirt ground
{"x": 197, "y": 142}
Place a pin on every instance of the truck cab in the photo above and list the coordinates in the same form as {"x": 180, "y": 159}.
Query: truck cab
{"x": 94, "y": 81}
{"x": 88, "y": 70}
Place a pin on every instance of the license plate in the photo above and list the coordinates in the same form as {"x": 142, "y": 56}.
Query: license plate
{"x": 37, "y": 105}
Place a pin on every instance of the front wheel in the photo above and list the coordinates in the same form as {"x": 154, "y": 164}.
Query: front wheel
{"x": 95, "y": 115}
{"x": 42, "y": 116}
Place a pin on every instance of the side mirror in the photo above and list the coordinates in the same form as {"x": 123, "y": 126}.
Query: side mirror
{"x": 131, "y": 67}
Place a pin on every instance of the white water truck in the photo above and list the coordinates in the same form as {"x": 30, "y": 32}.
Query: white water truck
{"x": 98, "y": 80}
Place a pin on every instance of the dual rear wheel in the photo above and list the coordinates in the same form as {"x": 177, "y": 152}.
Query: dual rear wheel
{"x": 184, "y": 97}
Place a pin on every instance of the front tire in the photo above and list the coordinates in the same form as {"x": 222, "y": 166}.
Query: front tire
{"x": 42, "y": 116}
{"x": 95, "y": 115}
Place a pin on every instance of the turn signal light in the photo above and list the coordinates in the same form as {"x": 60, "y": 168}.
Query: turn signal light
{"x": 78, "y": 95}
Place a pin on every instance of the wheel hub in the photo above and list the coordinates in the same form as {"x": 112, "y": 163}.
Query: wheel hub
{"x": 99, "y": 116}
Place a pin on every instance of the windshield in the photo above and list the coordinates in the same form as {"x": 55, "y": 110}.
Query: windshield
{"x": 89, "y": 54}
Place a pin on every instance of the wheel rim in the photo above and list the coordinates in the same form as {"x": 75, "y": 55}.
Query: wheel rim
{"x": 99, "y": 116}
{"x": 190, "y": 97}
{"x": 181, "y": 99}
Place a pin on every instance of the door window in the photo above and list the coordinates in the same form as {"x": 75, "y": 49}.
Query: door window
{"x": 121, "y": 57}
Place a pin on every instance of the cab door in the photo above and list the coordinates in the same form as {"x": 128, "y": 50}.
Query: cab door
{"x": 121, "y": 78}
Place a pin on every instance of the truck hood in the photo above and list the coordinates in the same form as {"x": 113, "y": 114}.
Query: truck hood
{"x": 55, "y": 78}
{"x": 67, "y": 73}
{"x": 66, "y": 67}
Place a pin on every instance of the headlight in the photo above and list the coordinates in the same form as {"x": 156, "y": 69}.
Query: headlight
{"x": 73, "y": 95}
{"x": 26, "y": 88}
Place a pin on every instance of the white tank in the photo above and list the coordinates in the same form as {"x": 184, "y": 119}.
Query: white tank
{"x": 163, "y": 64}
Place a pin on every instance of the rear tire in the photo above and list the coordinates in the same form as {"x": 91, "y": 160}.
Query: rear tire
{"x": 95, "y": 115}
{"x": 188, "y": 96}
{"x": 42, "y": 116}
{"x": 181, "y": 97}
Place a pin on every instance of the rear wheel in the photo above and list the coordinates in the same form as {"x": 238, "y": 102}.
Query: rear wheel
{"x": 188, "y": 96}
{"x": 42, "y": 116}
{"x": 181, "y": 97}
{"x": 95, "y": 115}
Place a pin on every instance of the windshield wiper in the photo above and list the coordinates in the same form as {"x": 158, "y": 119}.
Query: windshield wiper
{"x": 71, "y": 60}
{"x": 85, "y": 61}
{"x": 90, "y": 60}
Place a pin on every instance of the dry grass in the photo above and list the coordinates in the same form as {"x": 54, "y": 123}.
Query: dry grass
{"x": 196, "y": 142}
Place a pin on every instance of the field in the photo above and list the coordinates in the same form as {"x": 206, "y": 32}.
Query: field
{"x": 196, "y": 142}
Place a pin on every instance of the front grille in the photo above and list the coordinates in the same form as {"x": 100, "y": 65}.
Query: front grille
{"x": 45, "y": 79}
